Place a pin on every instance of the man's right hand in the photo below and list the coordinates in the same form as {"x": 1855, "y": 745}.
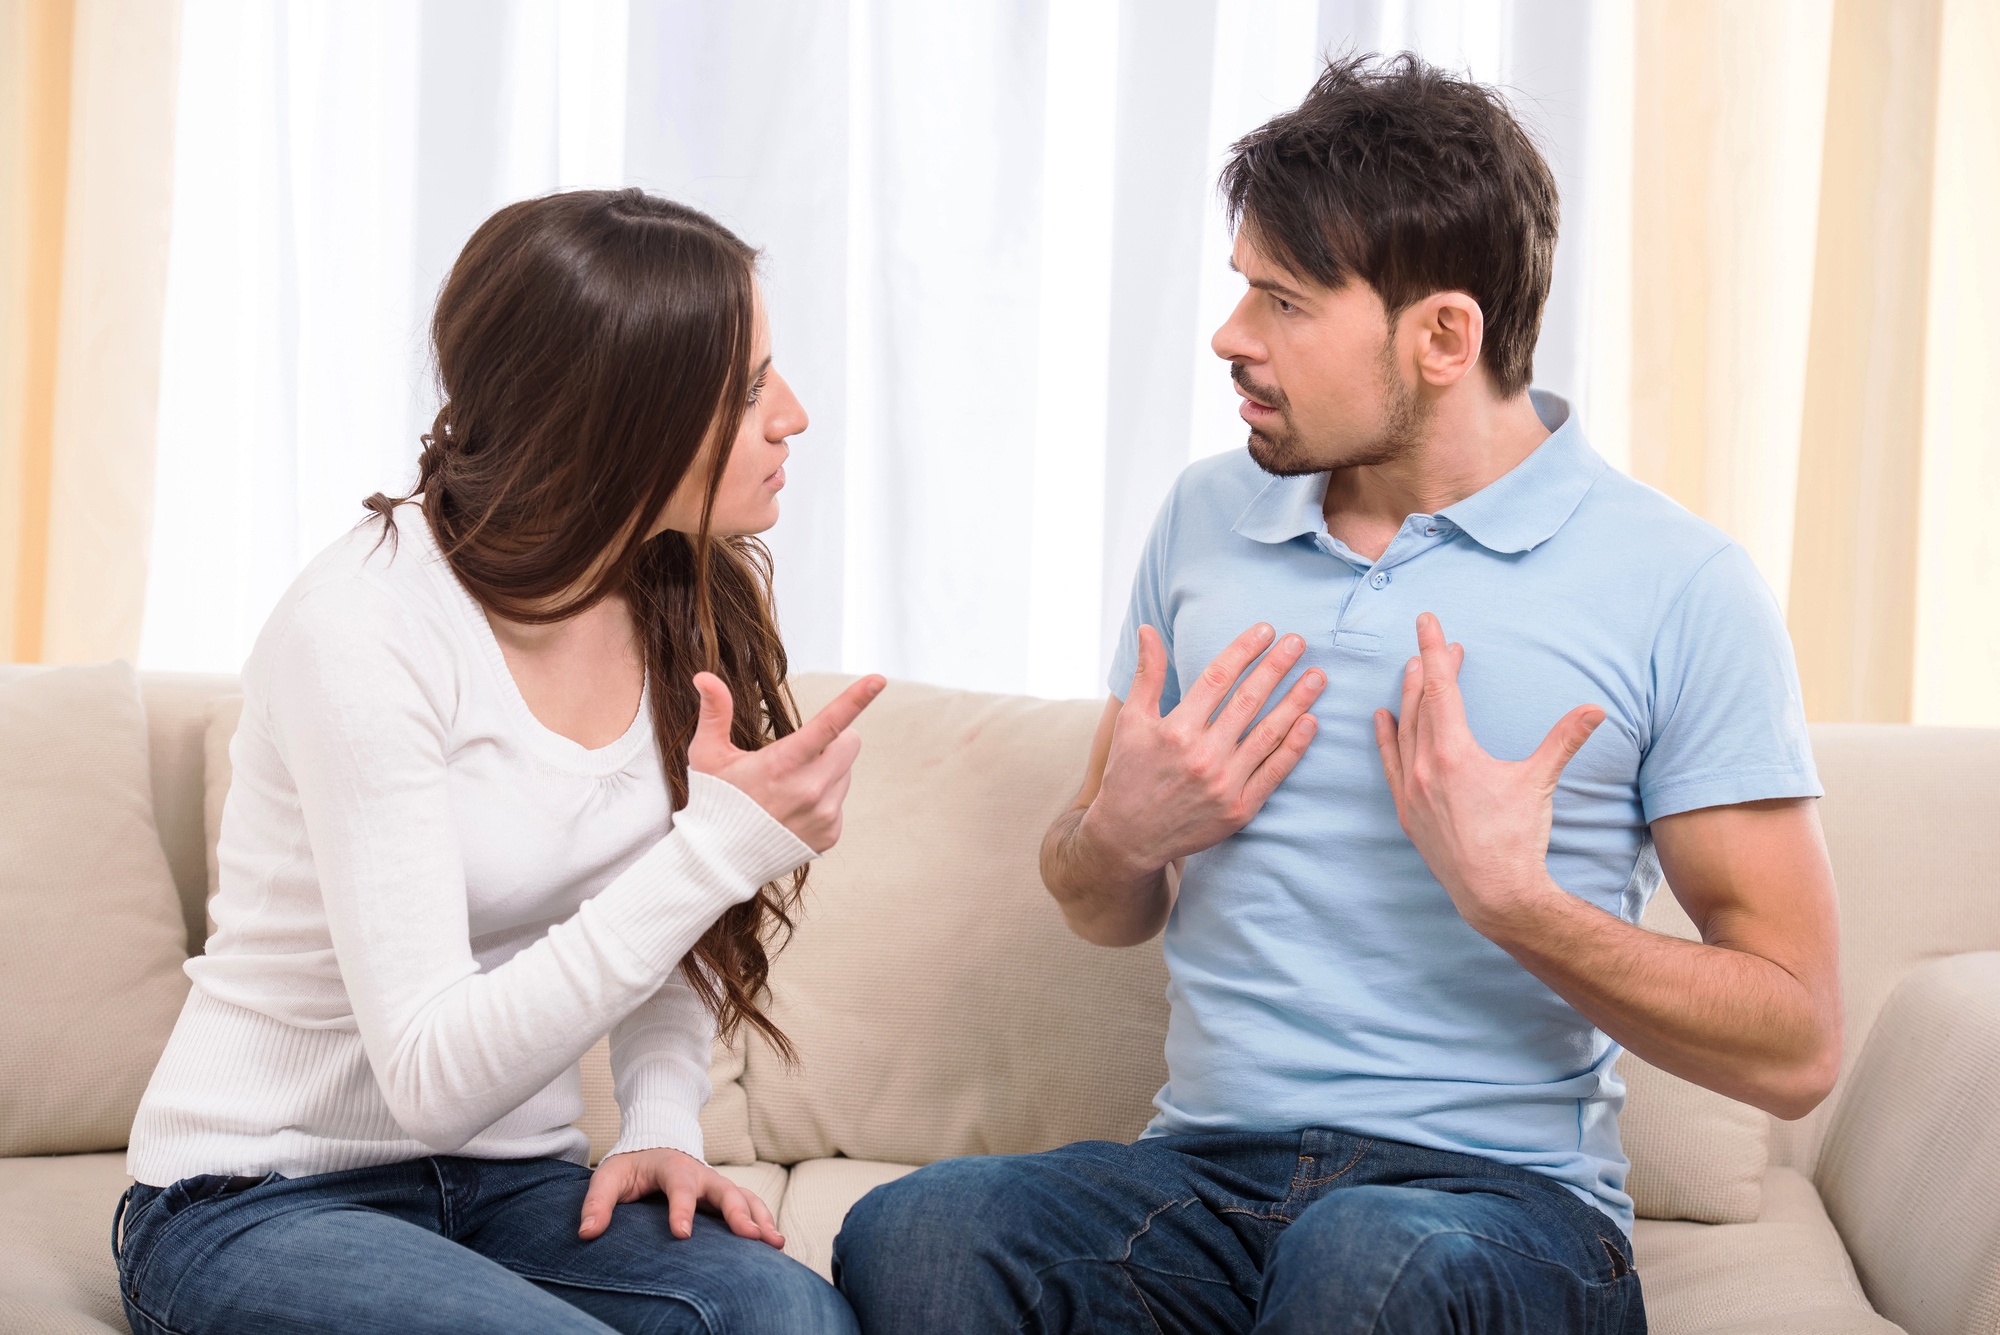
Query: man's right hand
{"x": 1158, "y": 789}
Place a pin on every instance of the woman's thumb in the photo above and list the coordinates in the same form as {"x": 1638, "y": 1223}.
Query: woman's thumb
{"x": 711, "y": 728}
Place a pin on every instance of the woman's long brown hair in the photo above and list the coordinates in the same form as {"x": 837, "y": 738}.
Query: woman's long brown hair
{"x": 588, "y": 345}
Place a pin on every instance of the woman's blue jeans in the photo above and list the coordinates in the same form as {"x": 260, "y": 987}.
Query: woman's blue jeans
{"x": 1314, "y": 1231}
{"x": 445, "y": 1244}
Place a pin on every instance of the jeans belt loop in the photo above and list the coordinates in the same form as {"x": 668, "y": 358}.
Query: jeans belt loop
{"x": 118, "y": 1224}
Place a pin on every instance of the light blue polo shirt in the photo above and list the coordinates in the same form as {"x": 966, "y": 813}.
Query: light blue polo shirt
{"x": 1320, "y": 976}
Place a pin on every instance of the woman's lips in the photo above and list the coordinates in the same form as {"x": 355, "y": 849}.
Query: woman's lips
{"x": 776, "y": 482}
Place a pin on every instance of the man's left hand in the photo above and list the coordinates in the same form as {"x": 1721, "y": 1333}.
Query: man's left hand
{"x": 1481, "y": 824}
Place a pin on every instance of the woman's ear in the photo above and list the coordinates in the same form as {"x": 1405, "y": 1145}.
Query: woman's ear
{"x": 1450, "y": 328}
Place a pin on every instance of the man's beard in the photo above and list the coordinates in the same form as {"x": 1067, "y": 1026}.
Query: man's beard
{"x": 1281, "y": 450}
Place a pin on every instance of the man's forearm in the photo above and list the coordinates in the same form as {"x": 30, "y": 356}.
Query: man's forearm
{"x": 1105, "y": 900}
{"x": 1726, "y": 1019}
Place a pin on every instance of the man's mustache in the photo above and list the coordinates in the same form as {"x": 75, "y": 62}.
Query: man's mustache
{"x": 1271, "y": 397}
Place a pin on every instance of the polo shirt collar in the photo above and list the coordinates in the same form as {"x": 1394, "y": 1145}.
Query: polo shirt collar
{"x": 1517, "y": 512}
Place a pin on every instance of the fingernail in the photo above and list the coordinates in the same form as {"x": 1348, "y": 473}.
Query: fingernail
{"x": 1264, "y": 632}
{"x": 1314, "y": 679}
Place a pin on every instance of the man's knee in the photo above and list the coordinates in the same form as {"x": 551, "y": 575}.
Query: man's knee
{"x": 1400, "y": 1259}
{"x": 946, "y": 1209}
{"x": 943, "y": 1248}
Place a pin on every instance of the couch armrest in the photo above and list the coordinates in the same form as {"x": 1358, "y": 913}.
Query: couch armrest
{"x": 1911, "y": 1170}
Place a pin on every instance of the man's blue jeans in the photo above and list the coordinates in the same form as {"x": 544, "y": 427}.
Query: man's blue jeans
{"x": 1304, "y": 1231}
{"x": 445, "y": 1244}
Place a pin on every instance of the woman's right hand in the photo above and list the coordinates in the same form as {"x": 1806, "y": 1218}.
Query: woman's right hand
{"x": 801, "y": 779}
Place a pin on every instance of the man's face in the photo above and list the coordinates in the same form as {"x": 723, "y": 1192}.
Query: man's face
{"x": 1317, "y": 369}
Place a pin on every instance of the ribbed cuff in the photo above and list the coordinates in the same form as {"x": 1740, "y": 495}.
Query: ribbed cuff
{"x": 722, "y": 847}
{"x": 658, "y": 1126}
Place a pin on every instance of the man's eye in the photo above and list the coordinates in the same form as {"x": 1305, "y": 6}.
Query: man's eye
{"x": 1284, "y": 305}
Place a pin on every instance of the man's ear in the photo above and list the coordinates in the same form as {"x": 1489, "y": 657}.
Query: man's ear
{"x": 1449, "y": 329}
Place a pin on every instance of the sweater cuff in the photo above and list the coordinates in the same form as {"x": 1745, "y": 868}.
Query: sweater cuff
{"x": 658, "y": 1126}
{"x": 722, "y": 848}
{"x": 730, "y": 819}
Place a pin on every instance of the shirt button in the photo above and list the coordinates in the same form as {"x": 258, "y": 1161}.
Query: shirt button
{"x": 1379, "y": 578}
{"x": 1432, "y": 530}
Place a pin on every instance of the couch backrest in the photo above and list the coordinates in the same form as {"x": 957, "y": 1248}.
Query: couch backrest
{"x": 928, "y": 922}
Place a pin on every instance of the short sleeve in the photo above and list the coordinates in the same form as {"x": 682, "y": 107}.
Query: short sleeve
{"x": 1149, "y": 607}
{"x": 1728, "y": 722}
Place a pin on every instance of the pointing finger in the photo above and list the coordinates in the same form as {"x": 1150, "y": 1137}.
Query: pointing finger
{"x": 825, "y": 727}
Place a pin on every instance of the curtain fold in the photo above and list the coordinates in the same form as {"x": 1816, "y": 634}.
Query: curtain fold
{"x": 1728, "y": 116}
{"x": 1958, "y": 559}
{"x": 89, "y": 130}
{"x": 1854, "y": 564}
{"x": 34, "y": 154}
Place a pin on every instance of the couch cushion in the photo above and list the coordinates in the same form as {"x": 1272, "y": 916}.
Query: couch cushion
{"x": 817, "y": 1199}
{"x": 1785, "y": 1273}
{"x": 91, "y": 934}
{"x": 767, "y": 1180}
{"x": 938, "y": 1002}
{"x": 178, "y": 707}
{"x": 57, "y": 1276}
{"x": 1911, "y": 1169}
{"x": 725, "y": 1122}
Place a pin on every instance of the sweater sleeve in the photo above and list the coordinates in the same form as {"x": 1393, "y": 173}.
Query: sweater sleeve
{"x": 359, "y": 694}
{"x": 659, "y": 1067}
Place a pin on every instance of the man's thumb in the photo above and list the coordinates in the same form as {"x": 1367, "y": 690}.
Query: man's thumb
{"x": 1565, "y": 740}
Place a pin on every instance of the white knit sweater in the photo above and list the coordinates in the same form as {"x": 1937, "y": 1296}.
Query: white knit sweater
{"x": 431, "y": 905}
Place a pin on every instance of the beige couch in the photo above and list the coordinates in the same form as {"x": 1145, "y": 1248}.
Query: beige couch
{"x": 942, "y": 1009}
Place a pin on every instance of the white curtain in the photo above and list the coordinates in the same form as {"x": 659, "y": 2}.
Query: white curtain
{"x": 993, "y": 260}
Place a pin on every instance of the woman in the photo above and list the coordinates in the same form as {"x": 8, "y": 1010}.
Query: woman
{"x": 517, "y": 767}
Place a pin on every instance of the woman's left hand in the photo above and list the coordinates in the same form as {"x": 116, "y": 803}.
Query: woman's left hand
{"x": 687, "y": 1183}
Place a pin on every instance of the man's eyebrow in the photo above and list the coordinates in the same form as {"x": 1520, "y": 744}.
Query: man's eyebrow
{"x": 1267, "y": 284}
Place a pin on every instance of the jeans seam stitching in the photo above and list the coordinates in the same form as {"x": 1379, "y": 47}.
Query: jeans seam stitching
{"x": 1145, "y": 1226}
{"x": 1125, "y": 1272}
{"x": 1345, "y": 1169}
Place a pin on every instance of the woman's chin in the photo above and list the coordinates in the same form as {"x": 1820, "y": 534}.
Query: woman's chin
{"x": 747, "y": 523}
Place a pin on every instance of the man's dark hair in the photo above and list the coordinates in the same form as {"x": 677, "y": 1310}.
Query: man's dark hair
{"x": 1415, "y": 182}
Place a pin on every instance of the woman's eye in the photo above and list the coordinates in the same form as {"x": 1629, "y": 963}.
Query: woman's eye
{"x": 757, "y": 389}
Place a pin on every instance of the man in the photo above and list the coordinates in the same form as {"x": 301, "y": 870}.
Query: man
{"x": 1400, "y": 876}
